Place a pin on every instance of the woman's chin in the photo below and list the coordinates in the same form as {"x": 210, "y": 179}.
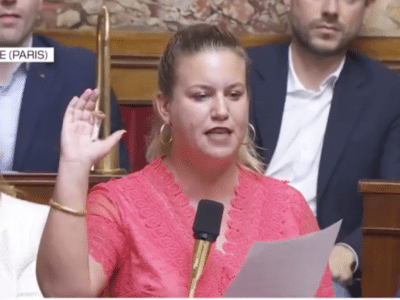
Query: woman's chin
{"x": 222, "y": 155}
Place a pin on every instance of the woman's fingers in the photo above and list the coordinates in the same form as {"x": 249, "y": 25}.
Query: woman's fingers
{"x": 69, "y": 113}
{"x": 92, "y": 100}
{"x": 81, "y": 127}
{"x": 83, "y": 109}
{"x": 80, "y": 108}
{"x": 86, "y": 102}
{"x": 112, "y": 140}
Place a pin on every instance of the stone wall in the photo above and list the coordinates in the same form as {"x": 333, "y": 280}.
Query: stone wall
{"x": 239, "y": 16}
{"x": 385, "y": 20}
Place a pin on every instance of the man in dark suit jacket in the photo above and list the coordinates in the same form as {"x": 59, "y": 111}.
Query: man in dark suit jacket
{"x": 47, "y": 90}
{"x": 293, "y": 86}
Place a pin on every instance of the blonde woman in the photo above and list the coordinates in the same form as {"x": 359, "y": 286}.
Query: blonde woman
{"x": 136, "y": 239}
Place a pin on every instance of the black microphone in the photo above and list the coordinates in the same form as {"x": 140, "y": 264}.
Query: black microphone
{"x": 206, "y": 227}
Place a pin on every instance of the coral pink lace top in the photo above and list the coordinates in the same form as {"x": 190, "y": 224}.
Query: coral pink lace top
{"x": 140, "y": 231}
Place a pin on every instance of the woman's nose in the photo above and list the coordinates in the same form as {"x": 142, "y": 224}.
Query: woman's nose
{"x": 220, "y": 108}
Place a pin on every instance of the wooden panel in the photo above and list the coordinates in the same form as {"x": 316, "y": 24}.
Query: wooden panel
{"x": 384, "y": 212}
{"x": 380, "y": 48}
{"x": 128, "y": 42}
{"x": 39, "y": 187}
{"x": 381, "y": 237}
{"x": 120, "y": 41}
{"x": 379, "y": 186}
{"x": 140, "y": 84}
{"x": 135, "y": 57}
{"x": 381, "y": 269}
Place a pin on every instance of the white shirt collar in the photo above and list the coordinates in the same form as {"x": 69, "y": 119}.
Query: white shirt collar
{"x": 30, "y": 43}
{"x": 294, "y": 84}
{"x": 24, "y": 67}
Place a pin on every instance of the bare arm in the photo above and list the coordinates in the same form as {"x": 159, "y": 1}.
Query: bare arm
{"x": 64, "y": 266}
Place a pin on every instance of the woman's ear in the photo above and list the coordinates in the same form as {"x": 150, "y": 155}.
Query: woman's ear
{"x": 162, "y": 106}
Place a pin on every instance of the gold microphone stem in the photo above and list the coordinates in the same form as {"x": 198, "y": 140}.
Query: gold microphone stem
{"x": 201, "y": 250}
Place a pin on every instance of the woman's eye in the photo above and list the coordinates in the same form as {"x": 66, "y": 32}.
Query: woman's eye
{"x": 200, "y": 97}
{"x": 352, "y": 1}
{"x": 235, "y": 95}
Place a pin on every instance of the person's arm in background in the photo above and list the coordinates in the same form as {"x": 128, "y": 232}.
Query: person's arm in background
{"x": 344, "y": 259}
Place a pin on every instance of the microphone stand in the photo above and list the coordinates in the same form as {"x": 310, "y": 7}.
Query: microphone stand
{"x": 206, "y": 227}
{"x": 201, "y": 250}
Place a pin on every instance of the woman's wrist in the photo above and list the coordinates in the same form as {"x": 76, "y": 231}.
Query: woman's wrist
{"x": 75, "y": 164}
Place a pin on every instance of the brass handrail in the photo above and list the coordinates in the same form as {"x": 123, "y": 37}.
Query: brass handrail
{"x": 108, "y": 165}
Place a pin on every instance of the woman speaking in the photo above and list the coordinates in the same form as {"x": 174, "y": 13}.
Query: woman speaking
{"x": 132, "y": 237}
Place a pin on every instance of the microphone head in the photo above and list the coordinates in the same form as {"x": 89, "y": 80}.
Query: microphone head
{"x": 207, "y": 221}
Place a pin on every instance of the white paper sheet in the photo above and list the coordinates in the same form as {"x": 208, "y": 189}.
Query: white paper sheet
{"x": 289, "y": 268}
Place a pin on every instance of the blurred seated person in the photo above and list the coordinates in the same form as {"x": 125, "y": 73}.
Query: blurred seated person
{"x": 326, "y": 117}
{"x": 21, "y": 227}
{"x": 133, "y": 237}
{"x": 34, "y": 96}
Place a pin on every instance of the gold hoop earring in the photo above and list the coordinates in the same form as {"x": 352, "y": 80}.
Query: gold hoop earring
{"x": 248, "y": 135}
{"x": 161, "y": 135}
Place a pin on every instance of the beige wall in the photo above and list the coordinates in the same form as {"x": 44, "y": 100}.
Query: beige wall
{"x": 240, "y": 16}
{"x": 385, "y": 20}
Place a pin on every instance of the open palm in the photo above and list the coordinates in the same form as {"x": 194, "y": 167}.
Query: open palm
{"x": 79, "y": 142}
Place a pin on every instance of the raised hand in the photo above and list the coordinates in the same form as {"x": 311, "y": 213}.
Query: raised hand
{"x": 80, "y": 120}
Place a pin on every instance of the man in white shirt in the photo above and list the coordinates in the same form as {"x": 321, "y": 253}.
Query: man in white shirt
{"x": 16, "y": 26}
{"x": 34, "y": 96}
{"x": 327, "y": 117}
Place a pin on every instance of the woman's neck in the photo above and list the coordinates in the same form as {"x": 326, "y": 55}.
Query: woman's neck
{"x": 216, "y": 182}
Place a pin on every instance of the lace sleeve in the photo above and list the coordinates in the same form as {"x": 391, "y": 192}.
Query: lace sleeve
{"x": 104, "y": 230}
{"x": 308, "y": 224}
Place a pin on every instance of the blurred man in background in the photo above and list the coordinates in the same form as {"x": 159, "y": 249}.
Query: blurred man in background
{"x": 34, "y": 96}
{"x": 327, "y": 117}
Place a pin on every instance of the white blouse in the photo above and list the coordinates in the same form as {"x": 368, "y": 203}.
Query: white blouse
{"x": 21, "y": 227}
